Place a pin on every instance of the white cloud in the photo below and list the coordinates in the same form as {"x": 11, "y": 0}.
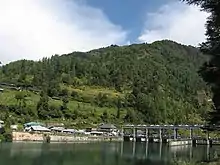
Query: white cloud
{"x": 33, "y": 29}
{"x": 175, "y": 21}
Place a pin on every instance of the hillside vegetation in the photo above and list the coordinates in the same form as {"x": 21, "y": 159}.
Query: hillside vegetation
{"x": 141, "y": 83}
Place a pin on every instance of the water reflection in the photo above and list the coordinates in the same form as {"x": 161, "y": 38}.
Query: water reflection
{"x": 165, "y": 153}
{"x": 100, "y": 153}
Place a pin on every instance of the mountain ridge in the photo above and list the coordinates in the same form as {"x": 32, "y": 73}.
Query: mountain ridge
{"x": 156, "y": 83}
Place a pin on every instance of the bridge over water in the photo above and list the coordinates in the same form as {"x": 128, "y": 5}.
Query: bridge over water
{"x": 162, "y": 133}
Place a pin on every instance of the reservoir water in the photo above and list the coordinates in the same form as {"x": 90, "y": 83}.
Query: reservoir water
{"x": 120, "y": 153}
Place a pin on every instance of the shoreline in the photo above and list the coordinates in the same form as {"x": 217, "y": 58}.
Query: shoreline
{"x": 52, "y": 138}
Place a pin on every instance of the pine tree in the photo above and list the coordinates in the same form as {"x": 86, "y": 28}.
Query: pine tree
{"x": 211, "y": 70}
{"x": 43, "y": 107}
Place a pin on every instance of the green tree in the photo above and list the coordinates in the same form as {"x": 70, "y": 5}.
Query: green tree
{"x": 119, "y": 106}
{"x": 64, "y": 93}
{"x": 156, "y": 81}
{"x": 55, "y": 112}
{"x": 65, "y": 101}
{"x": 101, "y": 99}
{"x": 20, "y": 97}
{"x": 66, "y": 78}
{"x": 130, "y": 116}
{"x": 75, "y": 114}
{"x": 75, "y": 94}
{"x": 105, "y": 116}
{"x": 211, "y": 70}
{"x": 64, "y": 107}
{"x": 43, "y": 107}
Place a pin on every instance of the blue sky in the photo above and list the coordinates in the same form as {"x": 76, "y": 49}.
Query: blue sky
{"x": 32, "y": 29}
{"x": 130, "y": 14}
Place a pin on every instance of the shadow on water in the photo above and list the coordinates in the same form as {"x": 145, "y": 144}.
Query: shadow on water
{"x": 100, "y": 154}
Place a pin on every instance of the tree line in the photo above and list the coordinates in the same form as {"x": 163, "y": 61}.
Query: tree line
{"x": 159, "y": 82}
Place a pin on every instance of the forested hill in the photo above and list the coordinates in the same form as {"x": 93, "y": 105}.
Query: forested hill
{"x": 152, "y": 83}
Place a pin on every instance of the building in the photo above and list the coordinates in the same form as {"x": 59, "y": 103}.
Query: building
{"x": 96, "y": 133}
{"x": 57, "y": 129}
{"x": 70, "y": 131}
{"x": 37, "y": 129}
{"x": 1, "y": 90}
{"x": 30, "y": 124}
{"x": 107, "y": 128}
{"x": 14, "y": 127}
{"x": 1, "y": 122}
{"x": 80, "y": 131}
{"x": 90, "y": 129}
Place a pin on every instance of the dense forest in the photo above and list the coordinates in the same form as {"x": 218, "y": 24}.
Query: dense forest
{"x": 140, "y": 83}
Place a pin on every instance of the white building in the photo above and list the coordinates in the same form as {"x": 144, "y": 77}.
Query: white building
{"x": 37, "y": 129}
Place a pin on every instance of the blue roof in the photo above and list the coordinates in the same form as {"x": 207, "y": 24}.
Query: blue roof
{"x": 32, "y": 124}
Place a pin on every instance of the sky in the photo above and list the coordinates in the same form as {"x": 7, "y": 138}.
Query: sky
{"x": 33, "y": 29}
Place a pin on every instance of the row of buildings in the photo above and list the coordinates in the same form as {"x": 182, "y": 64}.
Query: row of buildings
{"x": 102, "y": 129}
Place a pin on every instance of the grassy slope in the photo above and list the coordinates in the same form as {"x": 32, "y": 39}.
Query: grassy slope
{"x": 161, "y": 58}
{"x": 8, "y": 98}
{"x": 93, "y": 91}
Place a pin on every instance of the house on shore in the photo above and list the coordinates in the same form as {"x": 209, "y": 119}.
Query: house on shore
{"x": 107, "y": 128}
{"x": 30, "y": 124}
{"x": 90, "y": 129}
{"x": 96, "y": 133}
{"x": 69, "y": 131}
{"x": 1, "y": 122}
{"x": 37, "y": 129}
{"x": 14, "y": 127}
{"x": 57, "y": 129}
{"x": 1, "y": 127}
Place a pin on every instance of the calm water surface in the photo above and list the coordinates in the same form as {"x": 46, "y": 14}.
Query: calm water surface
{"x": 99, "y": 154}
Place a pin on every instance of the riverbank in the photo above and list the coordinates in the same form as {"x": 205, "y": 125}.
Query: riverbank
{"x": 39, "y": 137}
{"x": 213, "y": 162}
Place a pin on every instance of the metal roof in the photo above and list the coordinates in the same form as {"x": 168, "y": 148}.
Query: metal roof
{"x": 107, "y": 126}
{"x": 32, "y": 124}
{"x": 163, "y": 126}
{"x": 57, "y": 128}
{"x": 69, "y": 130}
{"x": 40, "y": 128}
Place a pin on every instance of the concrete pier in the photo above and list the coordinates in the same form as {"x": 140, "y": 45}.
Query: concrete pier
{"x": 134, "y": 134}
{"x": 160, "y": 135}
{"x": 191, "y": 133}
{"x": 179, "y": 142}
{"x": 163, "y": 134}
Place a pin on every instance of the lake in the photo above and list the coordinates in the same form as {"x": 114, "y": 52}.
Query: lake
{"x": 120, "y": 153}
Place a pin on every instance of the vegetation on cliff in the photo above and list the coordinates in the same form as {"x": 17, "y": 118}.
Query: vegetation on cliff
{"x": 151, "y": 83}
{"x": 211, "y": 69}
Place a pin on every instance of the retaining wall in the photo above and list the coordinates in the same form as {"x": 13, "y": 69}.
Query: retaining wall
{"x": 26, "y": 136}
